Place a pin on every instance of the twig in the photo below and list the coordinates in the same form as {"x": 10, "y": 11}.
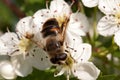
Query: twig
{"x": 14, "y": 8}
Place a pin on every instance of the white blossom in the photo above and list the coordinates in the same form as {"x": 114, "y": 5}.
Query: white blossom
{"x": 105, "y": 6}
{"x": 110, "y": 23}
{"x": 24, "y": 47}
{"x": 77, "y": 63}
{"x": 23, "y": 54}
{"x": 6, "y": 68}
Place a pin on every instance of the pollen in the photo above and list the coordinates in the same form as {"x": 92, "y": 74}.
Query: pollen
{"x": 117, "y": 16}
{"x": 69, "y": 62}
{"x": 25, "y": 45}
{"x": 61, "y": 19}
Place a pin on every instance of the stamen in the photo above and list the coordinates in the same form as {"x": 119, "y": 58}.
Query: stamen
{"x": 74, "y": 70}
{"x": 42, "y": 15}
{"x": 47, "y": 4}
{"x": 114, "y": 8}
{"x": 117, "y": 16}
{"x": 41, "y": 59}
{"x": 33, "y": 17}
{"x": 103, "y": 6}
{"x": 68, "y": 74}
{"x": 55, "y": 11}
{"x": 46, "y": 57}
{"x": 33, "y": 55}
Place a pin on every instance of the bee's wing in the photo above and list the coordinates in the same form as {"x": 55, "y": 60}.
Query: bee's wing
{"x": 78, "y": 24}
{"x": 76, "y": 27}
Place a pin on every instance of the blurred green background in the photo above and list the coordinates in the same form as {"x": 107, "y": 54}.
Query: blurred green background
{"x": 12, "y": 10}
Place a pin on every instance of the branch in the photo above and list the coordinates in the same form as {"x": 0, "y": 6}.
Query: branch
{"x": 14, "y": 8}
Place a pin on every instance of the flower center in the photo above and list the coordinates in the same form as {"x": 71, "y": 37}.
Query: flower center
{"x": 117, "y": 16}
{"x": 25, "y": 45}
{"x": 69, "y": 62}
{"x": 61, "y": 19}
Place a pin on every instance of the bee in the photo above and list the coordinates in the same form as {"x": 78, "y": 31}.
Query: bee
{"x": 52, "y": 34}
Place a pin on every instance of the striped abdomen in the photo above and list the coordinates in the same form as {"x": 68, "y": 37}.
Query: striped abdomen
{"x": 50, "y": 28}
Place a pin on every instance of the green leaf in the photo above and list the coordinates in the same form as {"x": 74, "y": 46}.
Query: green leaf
{"x": 109, "y": 77}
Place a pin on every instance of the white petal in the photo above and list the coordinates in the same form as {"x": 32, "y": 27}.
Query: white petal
{"x": 8, "y": 43}
{"x": 6, "y": 69}
{"x": 117, "y": 38}
{"x": 72, "y": 41}
{"x": 3, "y": 48}
{"x": 40, "y": 17}
{"x": 78, "y": 24}
{"x": 109, "y": 6}
{"x": 39, "y": 59}
{"x": 83, "y": 53}
{"x": 85, "y": 71}
{"x": 90, "y": 3}
{"x": 60, "y": 7}
{"x": 107, "y": 26}
{"x": 25, "y": 27}
{"x": 21, "y": 65}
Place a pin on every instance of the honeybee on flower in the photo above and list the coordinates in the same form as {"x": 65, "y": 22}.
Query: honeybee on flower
{"x": 51, "y": 36}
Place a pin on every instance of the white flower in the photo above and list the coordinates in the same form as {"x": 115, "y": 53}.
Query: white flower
{"x": 6, "y": 68}
{"x": 24, "y": 54}
{"x": 106, "y": 6}
{"x": 25, "y": 29}
{"x": 77, "y": 63}
{"x": 110, "y": 23}
{"x": 75, "y": 22}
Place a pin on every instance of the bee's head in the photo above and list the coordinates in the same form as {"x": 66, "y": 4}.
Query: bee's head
{"x": 58, "y": 58}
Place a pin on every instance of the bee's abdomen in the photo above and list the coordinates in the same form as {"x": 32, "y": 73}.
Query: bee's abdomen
{"x": 50, "y": 28}
{"x": 50, "y": 31}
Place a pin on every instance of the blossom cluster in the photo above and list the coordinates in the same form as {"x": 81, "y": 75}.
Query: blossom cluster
{"x": 22, "y": 50}
{"x": 110, "y": 23}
